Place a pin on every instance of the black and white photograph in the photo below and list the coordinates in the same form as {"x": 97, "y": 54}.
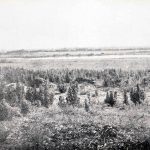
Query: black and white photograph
{"x": 74, "y": 75}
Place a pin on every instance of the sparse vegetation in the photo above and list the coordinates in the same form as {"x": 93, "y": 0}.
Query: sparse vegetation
{"x": 38, "y": 106}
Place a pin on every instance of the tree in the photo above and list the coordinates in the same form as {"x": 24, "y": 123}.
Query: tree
{"x": 29, "y": 94}
{"x": 125, "y": 97}
{"x": 62, "y": 88}
{"x": 24, "y": 107}
{"x": 61, "y": 102}
{"x": 41, "y": 94}
{"x": 110, "y": 98}
{"x": 72, "y": 95}
{"x": 19, "y": 91}
{"x": 48, "y": 96}
{"x": 87, "y": 108}
{"x": 4, "y": 110}
{"x": 137, "y": 95}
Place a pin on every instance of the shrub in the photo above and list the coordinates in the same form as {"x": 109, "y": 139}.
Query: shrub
{"x": 4, "y": 110}
{"x": 25, "y": 107}
{"x": 2, "y": 94}
{"x": 20, "y": 91}
{"x": 4, "y": 132}
{"x": 29, "y": 94}
{"x": 41, "y": 95}
{"x": 61, "y": 102}
{"x": 111, "y": 98}
{"x": 62, "y": 88}
{"x": 89, "y": 97}
{"x": 125, "y": 97}
{"x": 72, "y": 95}
{"x": 48, "y": 97}
{"x": 137, "y": 95}
{"x": 11, "y": 94}
{"x": 87, "y": 108}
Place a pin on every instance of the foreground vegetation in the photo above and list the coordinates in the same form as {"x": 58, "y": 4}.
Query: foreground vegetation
{"x": 74, "y": 109}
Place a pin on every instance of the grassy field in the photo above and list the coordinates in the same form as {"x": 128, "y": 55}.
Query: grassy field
{"x": 66, "y": 128}
{"x": 76, "y": 52}
{"x": 97, "y": 63}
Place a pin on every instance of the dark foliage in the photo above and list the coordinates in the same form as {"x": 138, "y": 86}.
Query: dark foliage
{"x": 62, "y": 102}
{"x": 62, "y": 88}
{"x": 72, "y": 95}
{"x": 137, "y": 95}
{"x": 111, "y": 98}
{"x": 125, "y": 96}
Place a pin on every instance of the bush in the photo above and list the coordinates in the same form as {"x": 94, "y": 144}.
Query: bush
{"x": 62, "y": 88}
{"x": 125, "y": 97}
{"x": 61, "y": 102}
{"x": 72, "y": 95}
{"x": 87, "y": 108}
{"x": 4, "y": 110}
{"x": 25, "y": 107}
{"x": 11, "y": 94}
{"x": 137, "y": 95}
{"x": 4, "y": 132}
{"x": 29, "y": 94}
{"x": 48, "y": 97}
{"x": 111, "y": 98}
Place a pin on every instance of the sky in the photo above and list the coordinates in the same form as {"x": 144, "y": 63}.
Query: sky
{"x": 47, "y": 24}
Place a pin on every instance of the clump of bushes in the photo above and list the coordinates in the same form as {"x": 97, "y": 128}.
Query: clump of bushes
{"x": 7, "y": 112}
{"x": 137, "y": 95}
{"x": 4, "y": 110}
{"x": 40, "y": 96}
{"x": 111, "y": 98}
{"x": 62, "y": 88}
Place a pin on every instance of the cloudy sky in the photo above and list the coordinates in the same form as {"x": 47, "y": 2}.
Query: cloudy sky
{"x": 37, "y": 24}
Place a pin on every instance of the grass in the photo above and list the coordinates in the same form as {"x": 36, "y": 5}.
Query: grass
{"x": 61, "y": 127}
{"x": 66, "y": 128}
{"x": 78, "y": 63}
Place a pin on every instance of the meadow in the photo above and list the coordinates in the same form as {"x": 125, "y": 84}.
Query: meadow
{"x": 70, "y": 103}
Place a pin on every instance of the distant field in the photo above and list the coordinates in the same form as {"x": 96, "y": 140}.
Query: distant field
{"x": 138, "y": 58}
{"x": 73, "y": 53}
{"x": 88, "y": 62}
